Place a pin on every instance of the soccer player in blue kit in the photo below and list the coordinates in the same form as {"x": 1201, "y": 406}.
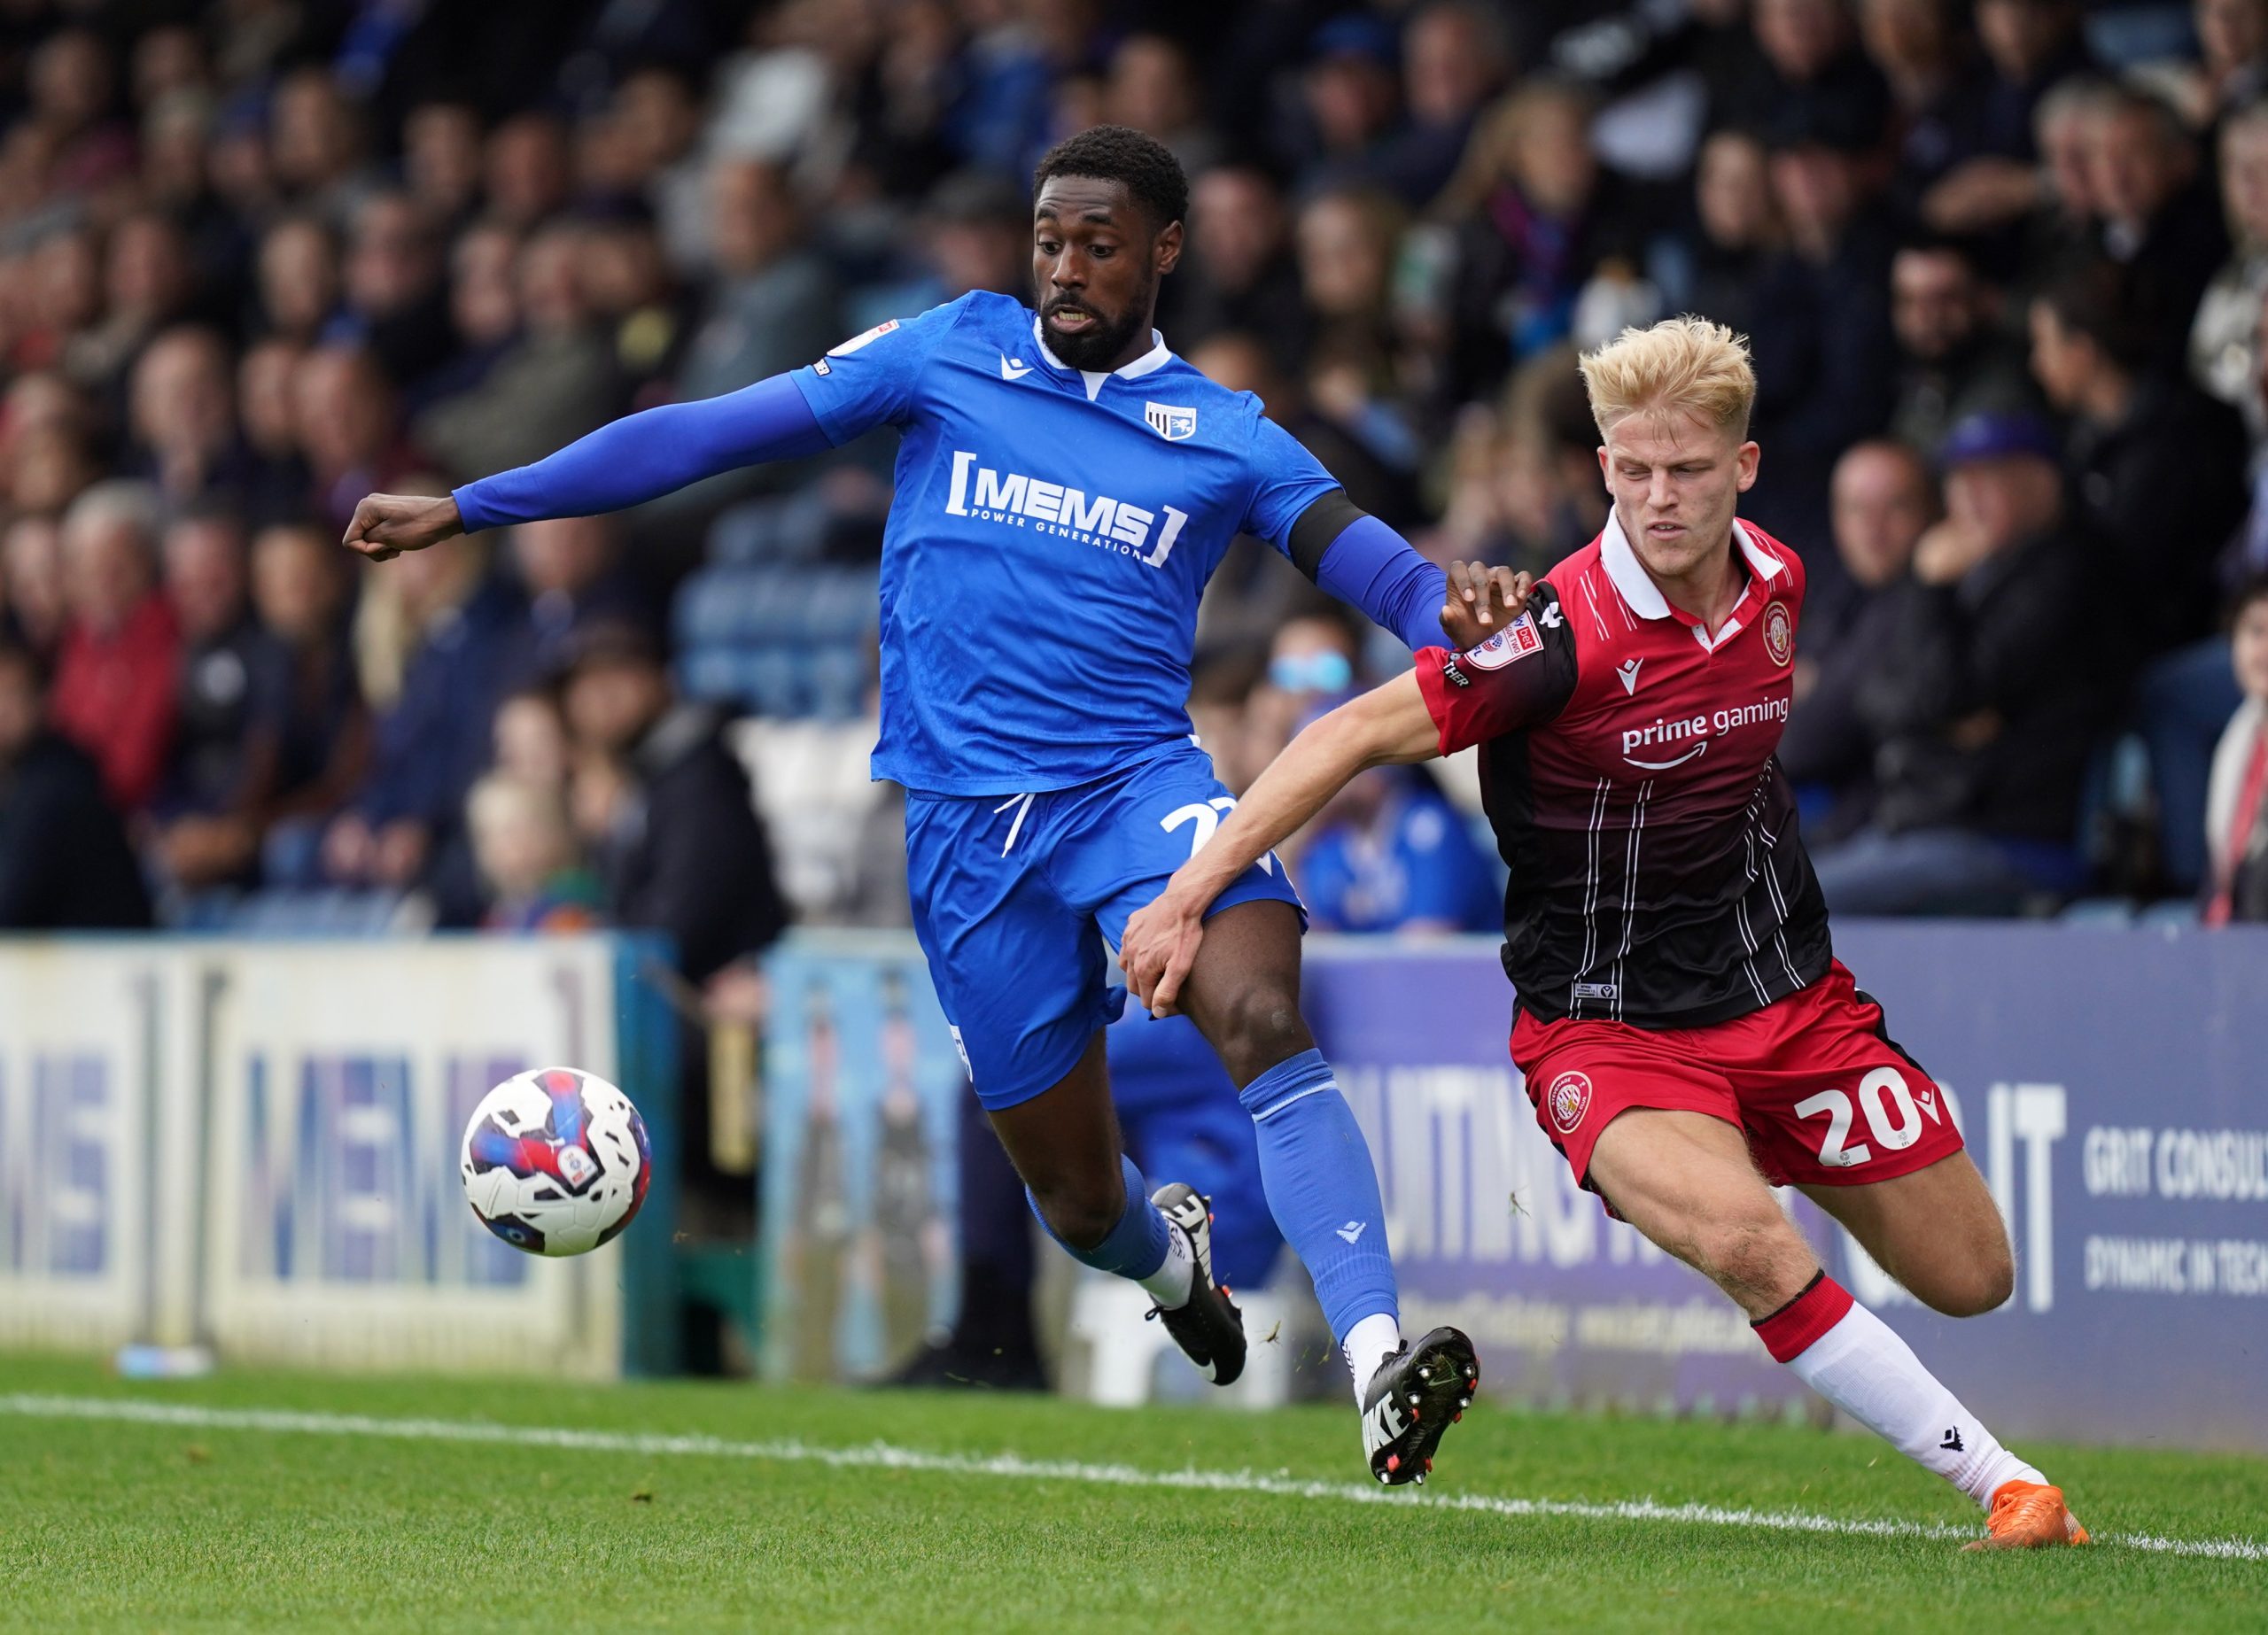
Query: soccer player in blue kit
{"x": 1065, "y": 487}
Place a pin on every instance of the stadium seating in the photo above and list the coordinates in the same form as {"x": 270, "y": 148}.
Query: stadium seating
{"x": 782, "y": 640}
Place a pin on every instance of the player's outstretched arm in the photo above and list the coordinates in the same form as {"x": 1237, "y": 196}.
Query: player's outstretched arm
{"x": 1388, "y": 724}
{"x": 1364, "y": 563}
{"x": 632, "y": 460}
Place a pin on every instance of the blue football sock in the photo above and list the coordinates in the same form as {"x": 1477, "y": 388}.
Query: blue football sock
{"x": 1321, "y": 1188}
{"x": 1137, "y": 1245}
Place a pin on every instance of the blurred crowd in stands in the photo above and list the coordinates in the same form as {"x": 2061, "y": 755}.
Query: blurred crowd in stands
{"x": 2004, "y": 264}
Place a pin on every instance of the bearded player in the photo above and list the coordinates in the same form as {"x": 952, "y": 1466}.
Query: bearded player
{"x": 1688, "y": 1037}
{"x": 1066, "y": 485}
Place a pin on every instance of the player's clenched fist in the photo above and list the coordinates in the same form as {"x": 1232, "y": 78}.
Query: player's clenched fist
{"x": 1161, "y": 945}
{"x": 385, "y": 526}
{"x": 1481, "y": 601}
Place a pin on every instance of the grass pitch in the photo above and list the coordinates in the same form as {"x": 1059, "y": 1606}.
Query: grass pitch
{"x": 279, "y": 1500}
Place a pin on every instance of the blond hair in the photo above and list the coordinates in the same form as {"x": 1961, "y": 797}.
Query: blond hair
{"x": 1683, "y": 366}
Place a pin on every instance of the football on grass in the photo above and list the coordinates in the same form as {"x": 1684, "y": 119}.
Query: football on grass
{"x": 555, "y": 1161}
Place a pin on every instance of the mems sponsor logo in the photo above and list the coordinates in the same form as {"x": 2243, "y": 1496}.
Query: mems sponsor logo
{"x": 1017, "y": 499}
{"x": 349, "y": 1171}
{"x": 62, "y": 1144}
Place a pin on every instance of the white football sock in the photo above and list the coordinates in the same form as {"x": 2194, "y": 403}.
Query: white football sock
{"x": 1370, "y": 1342}
{"x": 1866, "y": 1370}
{"x": 1177, "y": 1275}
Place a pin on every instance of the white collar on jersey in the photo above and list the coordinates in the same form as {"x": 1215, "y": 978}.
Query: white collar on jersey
{"x": 1637, "y": 587}
{"x": 1153, "y": 359}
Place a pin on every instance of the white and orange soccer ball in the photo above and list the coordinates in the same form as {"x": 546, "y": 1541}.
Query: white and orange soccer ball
{"x": 555, "y": 1161}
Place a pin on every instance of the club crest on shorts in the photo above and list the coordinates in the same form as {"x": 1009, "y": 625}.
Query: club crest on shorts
{"x": 1170, "y": 422}
{"x": 1779, "y": 633}
{"x": 1569, "y": 1099}
{"x": 1508, "y": 646}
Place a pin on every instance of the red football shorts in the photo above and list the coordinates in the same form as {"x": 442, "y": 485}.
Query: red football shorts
{"x": 1813, "y": 1080}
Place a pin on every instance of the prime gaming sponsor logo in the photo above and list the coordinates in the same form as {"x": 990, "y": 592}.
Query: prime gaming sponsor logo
{"x": 1673, "y": 741}
{"x": 1022, "y": 501}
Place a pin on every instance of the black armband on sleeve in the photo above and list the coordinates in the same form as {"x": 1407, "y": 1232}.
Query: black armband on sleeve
{"x": 1319, "y": 525}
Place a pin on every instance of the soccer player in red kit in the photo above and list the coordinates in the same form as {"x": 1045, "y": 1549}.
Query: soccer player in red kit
{"x": 1688, "y": 1037}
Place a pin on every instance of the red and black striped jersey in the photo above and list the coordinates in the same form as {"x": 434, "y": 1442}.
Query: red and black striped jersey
{"x": 1628, "y": 764}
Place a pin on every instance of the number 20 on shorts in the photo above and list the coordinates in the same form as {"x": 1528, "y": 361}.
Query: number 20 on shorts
{"x": 1892, "y": 1117}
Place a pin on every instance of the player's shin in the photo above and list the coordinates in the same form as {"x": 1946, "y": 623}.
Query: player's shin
{"x": 1851, "y": 1356}
{"x": 1316, "y": 1170}
{"x": 1142, "y": 1247}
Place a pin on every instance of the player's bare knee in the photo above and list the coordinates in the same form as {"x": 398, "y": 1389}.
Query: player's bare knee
{"x": 1980, "y": 1282}
{"x": 1258, "y": 1026}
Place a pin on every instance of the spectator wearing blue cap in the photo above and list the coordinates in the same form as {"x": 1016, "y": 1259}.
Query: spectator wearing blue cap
{"x": 1454, "y": 54}
{"x": 1992, "y": 688}
{"x": 1349, "y": 96}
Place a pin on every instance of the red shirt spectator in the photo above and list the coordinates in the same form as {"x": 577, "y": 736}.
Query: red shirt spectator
{"x": 116, "y": 671}
{"x": 114, "y": 697}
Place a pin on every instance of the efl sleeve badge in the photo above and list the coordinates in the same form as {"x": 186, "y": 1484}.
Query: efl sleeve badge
{"x": 1509, "y": 645}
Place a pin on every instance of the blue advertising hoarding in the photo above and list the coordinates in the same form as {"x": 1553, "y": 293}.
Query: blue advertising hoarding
{"x": 2115, "y": 1083}
{"x": 252, "y": 1146}
{"x": 2112, "y": 1085}
{"x": 1489, "y": 1230}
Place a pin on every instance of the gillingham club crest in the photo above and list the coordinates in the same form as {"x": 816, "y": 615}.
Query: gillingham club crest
{"x": 1779, "y": 633}
{"x": 1569, "y": 1099}
{"x": 1172, "y": 422}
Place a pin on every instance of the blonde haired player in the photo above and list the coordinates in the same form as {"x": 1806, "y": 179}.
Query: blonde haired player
{"x": 1688, "y": 1037}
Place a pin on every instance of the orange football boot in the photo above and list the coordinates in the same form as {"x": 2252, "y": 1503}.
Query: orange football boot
{"x": 2029, "y": 1515}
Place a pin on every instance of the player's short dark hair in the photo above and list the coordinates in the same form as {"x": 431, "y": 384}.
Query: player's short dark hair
{"x": 1141, "y": 164}
{"x": 2099, "y": 301}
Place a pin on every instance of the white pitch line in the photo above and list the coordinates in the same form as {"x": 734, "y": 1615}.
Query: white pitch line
{"x": 883, "y": 1456}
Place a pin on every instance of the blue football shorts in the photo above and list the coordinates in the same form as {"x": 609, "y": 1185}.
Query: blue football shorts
{"x": 1014, "y": 897}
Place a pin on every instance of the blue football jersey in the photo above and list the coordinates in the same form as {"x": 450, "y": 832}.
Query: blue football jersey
{"x": 1052, "y": 533}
